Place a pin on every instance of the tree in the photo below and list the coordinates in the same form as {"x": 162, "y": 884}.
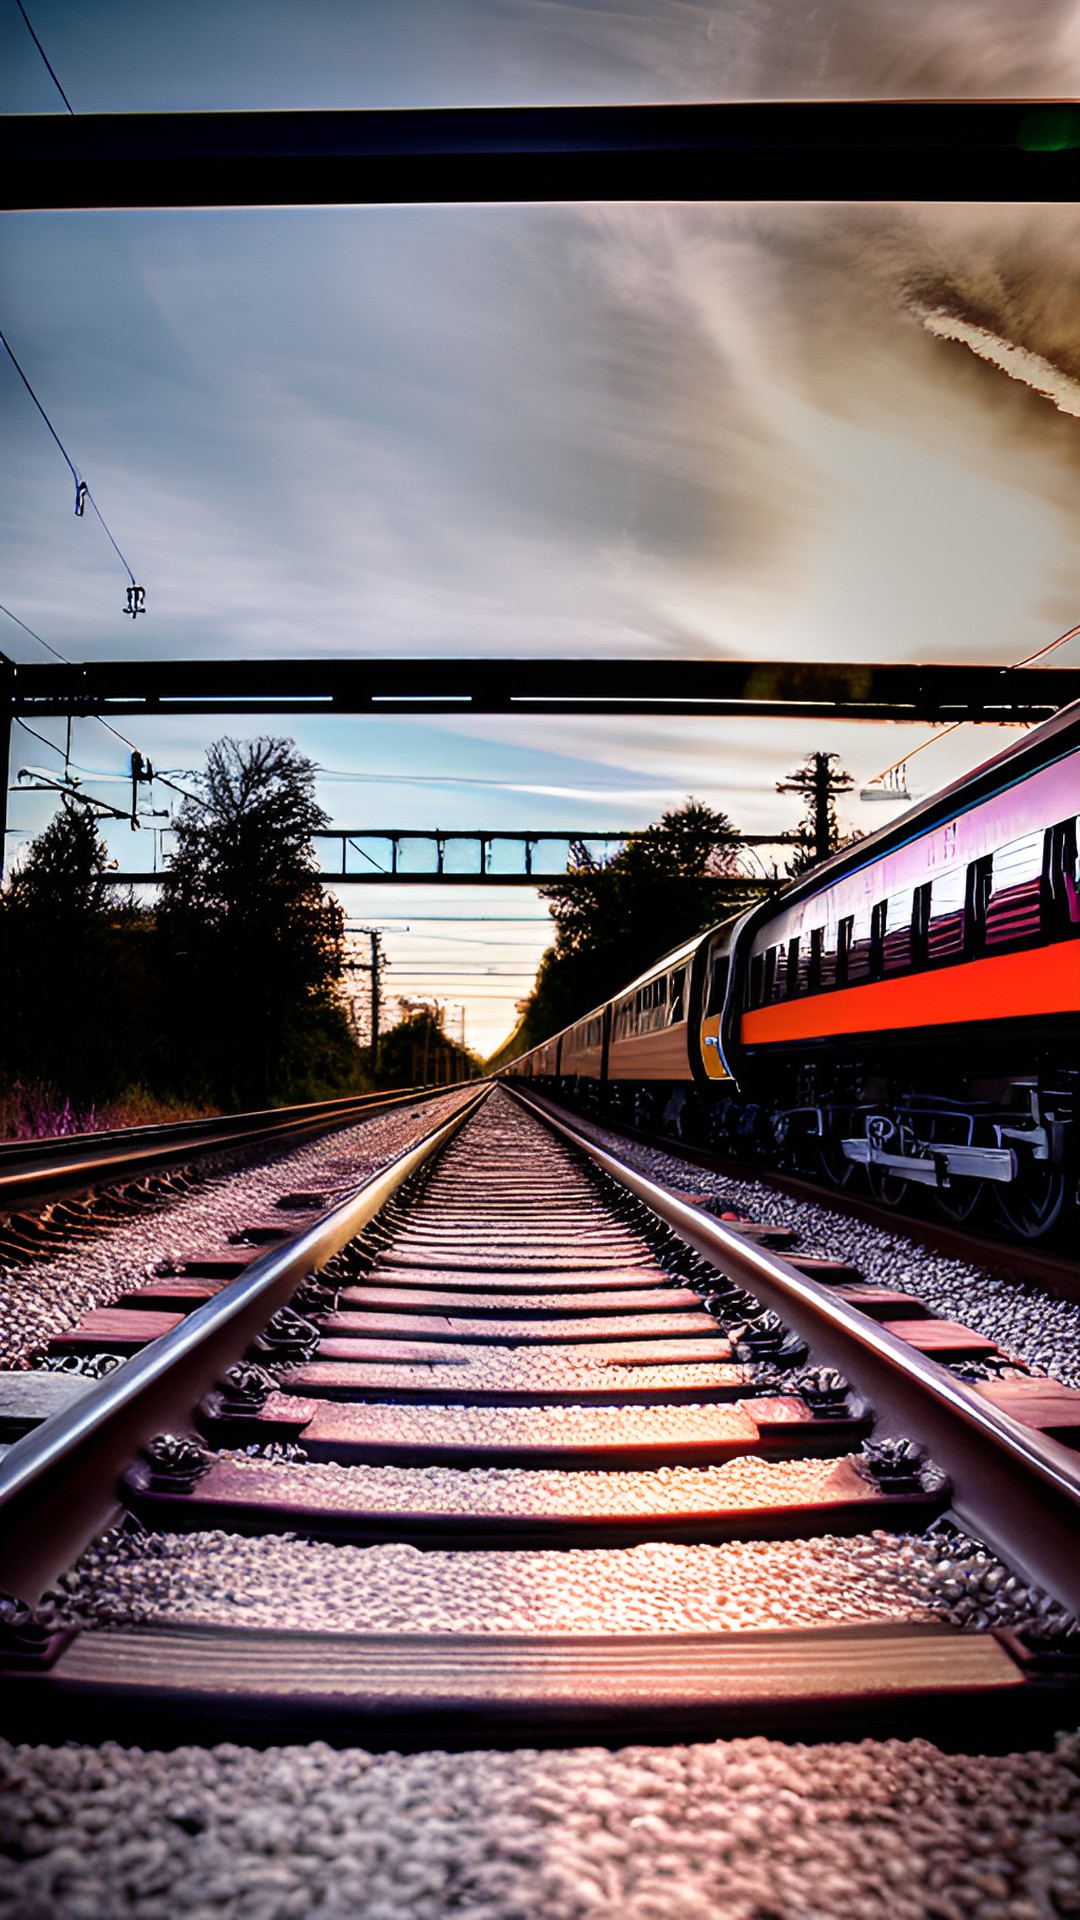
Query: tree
{"x": 72, "y": 973}
{"x": 818, "y": 780}
{"x": 616, "y": 918}
{"x": 420, "y": 1052}
{"x": 254, "y": 949}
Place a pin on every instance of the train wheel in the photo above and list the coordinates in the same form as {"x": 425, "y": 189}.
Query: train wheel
{"x": 887, "y": 1188}
{"x": 833, "y": 1163}
{"x": 1033, "y": 1205}
{"x": 961, "y": 1202}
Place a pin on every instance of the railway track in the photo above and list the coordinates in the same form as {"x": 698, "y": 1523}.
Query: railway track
{"x": 34, "y": 1174}
{"x": 1055, "y": 1272}
{"x": 513, "y": 1447}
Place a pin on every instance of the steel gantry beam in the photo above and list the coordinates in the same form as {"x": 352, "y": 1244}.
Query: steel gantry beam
{"x": 749, "y": 150}
{"x": 429, "y": 846}
{"x": 775, "y": 689}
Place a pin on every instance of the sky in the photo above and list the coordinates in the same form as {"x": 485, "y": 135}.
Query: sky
{"x": 596, "y": 430}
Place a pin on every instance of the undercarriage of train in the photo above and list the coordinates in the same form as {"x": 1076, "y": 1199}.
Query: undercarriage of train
{"x": 995, "y": 1152}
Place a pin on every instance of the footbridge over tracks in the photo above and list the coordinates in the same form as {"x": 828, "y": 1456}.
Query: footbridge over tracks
{"x": 411, "y": 856}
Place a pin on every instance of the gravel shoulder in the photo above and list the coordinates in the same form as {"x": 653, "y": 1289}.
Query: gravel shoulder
{"x": 42, "y": 1299}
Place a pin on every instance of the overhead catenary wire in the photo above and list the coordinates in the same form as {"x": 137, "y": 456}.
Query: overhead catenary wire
{"x": 955, "y": 725}
{"x": 48, "y": 63}
{"x": 53, "y": 744}
{"x": 82, "y": 490}
{"x": 47, "y": 644}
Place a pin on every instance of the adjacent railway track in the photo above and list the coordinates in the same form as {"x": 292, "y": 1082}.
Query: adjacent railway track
{"x": 35, "y": 1172}
{"x": 512, "y": 1352}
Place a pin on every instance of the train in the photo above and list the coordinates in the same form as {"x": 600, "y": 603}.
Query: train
{"x": 904, "y": 1016}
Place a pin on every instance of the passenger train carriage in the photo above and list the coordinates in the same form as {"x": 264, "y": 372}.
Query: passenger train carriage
{"x": 909, "y": 1010}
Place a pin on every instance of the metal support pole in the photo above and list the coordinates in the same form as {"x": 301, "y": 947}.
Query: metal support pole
{"x": 822, "y": 789}
{"x": 376, "y": 961}
{"x": 7, "y": 676}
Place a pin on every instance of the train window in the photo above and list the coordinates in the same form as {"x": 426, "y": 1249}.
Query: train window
{"x": 897, "y": 913}
{"x": 827, "y": 969}
{"x": 791, "y": 978}
{"x": 718, "y": 973}
{"x": 843, "y": 947}
{"x": 920, "y": 925}
{"x": 810, "y": 961}
{"x": 877, "y": 938}
{"x": 859, "y": 949}
{"x": 1063, "y": 877}
{"x": 676, "y": 996}
{"x": 755, "y": 992}
{"x": 768, "y": 981}
{"x": 945, "y": 928}
{"x": 1012, "y": 915}
{"x": 779, "y": 972}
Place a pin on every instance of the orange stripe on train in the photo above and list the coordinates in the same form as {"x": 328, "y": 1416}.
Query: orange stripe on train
{"x": 998, "y": 987}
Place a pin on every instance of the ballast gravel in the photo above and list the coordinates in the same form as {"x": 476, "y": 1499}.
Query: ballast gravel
{"x": 50, "y": 1295}
{"x": 550, "y": 1371}
{"x": 230, "y": 1580}
{"x": 740, "y": 1829}
{"x": 1039, "y": 1329}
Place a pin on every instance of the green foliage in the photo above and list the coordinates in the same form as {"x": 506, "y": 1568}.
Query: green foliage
{"x": 615, "y": 919}
{"x": 252, "y": 951}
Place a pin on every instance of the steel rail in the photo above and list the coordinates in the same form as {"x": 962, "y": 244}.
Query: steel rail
{"x": 33, "y": 1170}
{"x": 1014, "y": 1487}
{"x": 58, "y": 1484}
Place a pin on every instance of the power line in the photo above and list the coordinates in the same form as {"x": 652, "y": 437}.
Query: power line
{"x": 473, "y": 920}
{"x": 956, "y": 724}
{"x": 45, "y": 57}
{"x": 136, "y": 595}
{"x": 56, "y": 748}
{"x": 55, "y": 651}
{"x": 47, "y": 644}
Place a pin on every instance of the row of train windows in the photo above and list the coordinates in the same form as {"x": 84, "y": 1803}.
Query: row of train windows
{"x": 659, "y": 1003}
{"x": 1025, "y": 892}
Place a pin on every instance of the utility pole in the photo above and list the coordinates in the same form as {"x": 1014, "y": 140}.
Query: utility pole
{"x": 374, "y": 969}
{"x": 818, "y": 779}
